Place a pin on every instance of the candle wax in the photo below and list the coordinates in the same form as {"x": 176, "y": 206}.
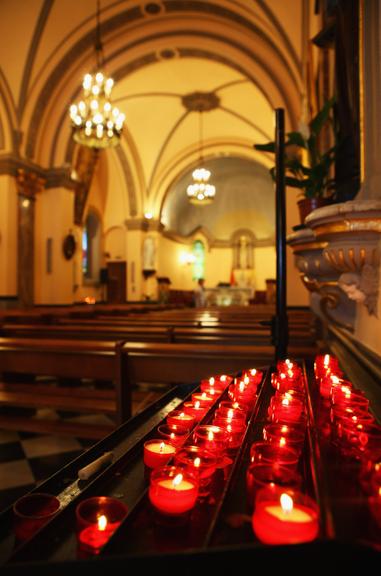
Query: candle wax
{"x": 273, "y": 525}
{"x": 157, "y": 453}
{"x": 173, "y": 499}
{"x": 93, "y": 538}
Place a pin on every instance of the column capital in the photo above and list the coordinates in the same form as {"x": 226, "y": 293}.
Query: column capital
{"x": 29, "y": 183}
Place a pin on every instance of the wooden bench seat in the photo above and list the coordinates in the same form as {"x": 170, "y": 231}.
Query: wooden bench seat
{"x": 78, "y": 360}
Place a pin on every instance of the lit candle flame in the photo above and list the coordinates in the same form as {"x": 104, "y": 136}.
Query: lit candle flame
{"x": 211, "y": 381}
{"x": 223, "y": 378}
{"x": 282, "y": 441}
{"x": 197, "y": 405}
{"x": 182, "y": 415}
{"x": 197, "y": 462}
{"x": 172, "y": 435}
{"x": 241, "y": 387}
{"x": 177, "y": 480}
{"x": 203, "y": 395}
{"x": 253, "y": 371}
{"x": 235, "y": 405}
{"x": 286, "y": 503}
{"x": 102, "y": 522}
{"x": 284, "y": 428}
{"x": 326, "y": 360}
{"x": 230, "y": 413}
{"x": 161, "y": 447}
{"x": 210, "y": 435}
{"x": 285, "y": 402}
{"x": 246, "y": 380}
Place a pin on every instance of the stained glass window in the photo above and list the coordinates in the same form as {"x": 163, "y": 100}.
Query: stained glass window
{"x": 199, "y": 260}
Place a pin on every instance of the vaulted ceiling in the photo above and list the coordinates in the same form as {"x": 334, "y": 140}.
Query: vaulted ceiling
{"x": 248, "y": 56}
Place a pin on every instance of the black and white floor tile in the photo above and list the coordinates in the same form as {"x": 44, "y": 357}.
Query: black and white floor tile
{"x": 27, "y": 459}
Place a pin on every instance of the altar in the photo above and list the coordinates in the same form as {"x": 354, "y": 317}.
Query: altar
{"x": 228, "y": 296}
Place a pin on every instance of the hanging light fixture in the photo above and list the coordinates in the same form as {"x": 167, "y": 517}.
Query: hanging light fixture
{"x": 200, "y": 192}
{"x": 96, "y": 123}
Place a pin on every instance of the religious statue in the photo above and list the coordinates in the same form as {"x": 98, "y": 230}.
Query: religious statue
{"x": 362, "y": 288}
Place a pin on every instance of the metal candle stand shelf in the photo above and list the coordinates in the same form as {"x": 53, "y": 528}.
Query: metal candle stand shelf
{"x": 219, "y": 528}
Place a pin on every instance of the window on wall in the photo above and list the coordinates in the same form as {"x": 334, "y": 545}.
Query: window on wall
{"x": 199, "y": 260}
{"x": 91, "y": 235}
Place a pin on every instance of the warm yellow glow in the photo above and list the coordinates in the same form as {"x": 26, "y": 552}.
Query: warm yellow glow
{"x": 282, "y": 441}
{"x": 326, "y": 360}
{"x": 161, "y": 447}
{"x": 230, "y": 413}
{"x": 201, "y": 192}
{"x": 285, "y": 402}
{"x": 210, "y": 435}
{"x": 95, "y": 122}
{"x": 197, "y": 404}
{"x": 211, "y": 381}
{"x": 286, "y": 502}
{"x": 102, "y": 522}
{"x": 197, "y": 462}
{"x": 177, "y": 480}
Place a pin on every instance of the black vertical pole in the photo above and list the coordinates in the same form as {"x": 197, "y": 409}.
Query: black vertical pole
{"x": 280, "y": 321}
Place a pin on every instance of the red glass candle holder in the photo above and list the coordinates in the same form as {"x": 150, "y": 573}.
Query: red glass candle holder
{"x": 285, "y": 517}
{"x": 217, "y": 382}
{"x": 355, "y": 440}
{"x": 203, "y": 398}
{"x": 324, "y": 363}
{"x": 262, "y": 474}
{"x": 284, "y": 408}
{"x": 255, "y": 376}
{"x": 370, "y": 466}
{"x": 235, "y": 429}
{"x": 274, "y": 454}
{"x": 173, "y": 490}
{"x": 173, "y": 434}
{"x": 285, "y": 435}
{"x": 194, "y": 409}
{"x": 212, "y": 438}
{"x": 203, "y": 464}
{"x": 157, "y": 452}
{"x": 181, "y": 419}
{"x": 32, "y": 511}
{"x": 97, "y": 519}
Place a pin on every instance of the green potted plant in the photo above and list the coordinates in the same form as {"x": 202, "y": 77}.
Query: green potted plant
{"x": 306, "y": 166}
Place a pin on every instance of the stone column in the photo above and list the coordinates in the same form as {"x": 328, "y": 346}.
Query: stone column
{"x": 28, "y": 185}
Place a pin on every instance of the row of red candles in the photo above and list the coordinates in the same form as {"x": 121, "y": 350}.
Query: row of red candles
{"x": 351, "y": 427}
{"x": 197, "y": 452}
{"x": 282, "y": 512}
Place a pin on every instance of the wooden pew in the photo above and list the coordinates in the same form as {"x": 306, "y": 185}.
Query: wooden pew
{"x": 63, "y": 359}
{"x": 153, "y": 363}
{"x": 109, "y": 331}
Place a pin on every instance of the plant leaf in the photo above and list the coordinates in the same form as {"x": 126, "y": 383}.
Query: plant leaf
{"x": 321, "y": 117}
{"x": 295, "y": 139}
{"x": 268, "y": 147}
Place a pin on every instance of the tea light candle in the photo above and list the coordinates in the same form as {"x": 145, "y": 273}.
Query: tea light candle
{"x": 157, "y": 452}
{"x": 174, "y": 434}
{"x": 173, "y": 490}
{"x": 203, "y": 398}
{"x": 285, "y": 520}
{"x": 181, "y": 419}
{"x": 97, "y": 519}
{"x": 194, "y": 409}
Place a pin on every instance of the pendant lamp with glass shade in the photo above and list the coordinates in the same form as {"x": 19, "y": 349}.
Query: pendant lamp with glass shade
{"x": 95, "y": 121}
{"x": 200, "y": 192}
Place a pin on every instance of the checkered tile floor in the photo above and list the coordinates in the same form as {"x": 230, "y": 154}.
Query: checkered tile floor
{"x": 27, "y": 459}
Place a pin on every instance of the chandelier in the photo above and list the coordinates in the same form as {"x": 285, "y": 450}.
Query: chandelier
{"x": 95, "y": 121}
{"x": 200, "y": 192}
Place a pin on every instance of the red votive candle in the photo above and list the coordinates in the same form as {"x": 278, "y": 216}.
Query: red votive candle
{"x": 235, "y": 429}
{"x": 173, "y": 434}
{"x": 285, "y": 517}
{"x": 157, "y": 452}
{"x": 274, "y": 454}
{"x": 285, "y": 435}
{"x": 97, "y": 519}
{"x": 204, "y": 399}
{"x": 194, "y": 409}
{"x": 212, "y": 438}
{"x": 216, "y": 382}
{"x": 181, "y": 419}
{"x": 262, "y": 474}
{"x": 254, "y": 375}
{"x": 173, "y": 490}
{"x": 32, "y": 511}
{"x": 203, "y": 464}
